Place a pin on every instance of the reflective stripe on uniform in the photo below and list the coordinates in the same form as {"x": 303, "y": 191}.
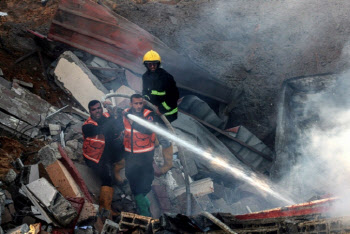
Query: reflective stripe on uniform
{"x": 139, "y": 150}
{"x": 155, "y": 92}
{"x": 166, "y": 106}
{"x": 171, "y": 112}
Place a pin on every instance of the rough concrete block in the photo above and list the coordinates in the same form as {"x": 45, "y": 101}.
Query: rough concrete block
{"x": 73, "y": 75}
{"x": 198, "y": 188}
{"x": 88, "y": 211}
{"x": 162, "y": 197}
{"x": 55, "y": 129}
{"x": 49, "y": 154}
{"x": 74, "y": 144}
{"x": 58, "y": 206}
{"x": 63, "y": 180}
{"x": 110, "y": 227}
{"x": 10, "y": 176}
{"x": 70, "y": 153}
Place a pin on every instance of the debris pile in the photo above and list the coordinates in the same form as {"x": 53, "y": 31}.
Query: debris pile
{"x": 52, "y": 186}
{"x": 48, "y": 187}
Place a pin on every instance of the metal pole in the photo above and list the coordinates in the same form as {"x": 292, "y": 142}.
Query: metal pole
{"x": 215, "y": 220}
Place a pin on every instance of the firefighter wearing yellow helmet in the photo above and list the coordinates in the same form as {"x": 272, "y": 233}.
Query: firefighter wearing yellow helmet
{"x": 159, "y": 87}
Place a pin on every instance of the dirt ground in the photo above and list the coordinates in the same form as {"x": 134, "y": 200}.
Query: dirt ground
{"x": 253, "y": 46}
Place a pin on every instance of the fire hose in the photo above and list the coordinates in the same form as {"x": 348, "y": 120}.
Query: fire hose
{"x": 180, "y": 150}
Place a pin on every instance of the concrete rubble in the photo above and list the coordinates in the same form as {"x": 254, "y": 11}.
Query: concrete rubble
{"x": 56, "y": 188}
{"x": 48, "y": 186}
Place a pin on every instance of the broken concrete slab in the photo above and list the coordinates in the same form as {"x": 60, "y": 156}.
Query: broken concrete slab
{"x": 123, "y": 102}
{"x": 30, "y": 173}
{"x": 24, "y": 112}
{"x": 22, "y": 83}
{"x": 198, "y": 188}
{"x": 63, "y": 180}
{"x": 160, "y": 191}
{"x": 16, "y": 126}
{"x": 58, "y": 206}
{"x": 43, "y": 215}
{"x": 5, "y": 83}
{"x": 134, "y": 82}
{"x": 43, "y": 191}
{"x": 49, "y": 154}
{"x": 72, "y": 74}
{"x": 13, "y": 104}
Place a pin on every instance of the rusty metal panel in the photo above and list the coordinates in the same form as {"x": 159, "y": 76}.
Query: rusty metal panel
{"x": 97, "y": 30}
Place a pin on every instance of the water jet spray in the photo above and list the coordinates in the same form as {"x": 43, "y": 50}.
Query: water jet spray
{"x": 238, "y": 172}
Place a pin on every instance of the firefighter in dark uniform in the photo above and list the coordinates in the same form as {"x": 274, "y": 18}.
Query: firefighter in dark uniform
{"x": 103, "y": 147}
{"x": 159, "y": 88}
{"x": 139, "y": 152}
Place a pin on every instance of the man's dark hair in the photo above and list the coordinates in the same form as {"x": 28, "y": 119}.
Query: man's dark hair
{"x": 136, "y": 95}
{"x": 92, "y": 103}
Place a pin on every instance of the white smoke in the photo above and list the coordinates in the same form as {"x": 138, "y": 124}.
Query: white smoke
{"x": 322, "y": 168}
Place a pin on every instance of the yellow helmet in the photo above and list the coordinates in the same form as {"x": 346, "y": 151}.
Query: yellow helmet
{"x": 151, "y": 56}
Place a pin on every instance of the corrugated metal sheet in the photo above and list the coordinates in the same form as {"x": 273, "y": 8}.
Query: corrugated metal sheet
{"x": 97, "y": 30}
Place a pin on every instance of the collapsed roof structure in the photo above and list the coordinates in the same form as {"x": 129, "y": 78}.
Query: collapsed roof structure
{"x": 105, "y": 55}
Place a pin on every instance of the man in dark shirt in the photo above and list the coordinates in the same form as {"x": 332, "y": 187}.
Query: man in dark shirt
{"x": 159, "y": 88}
{"x": 102, "y": 148}
{"x": 139, "y": 152}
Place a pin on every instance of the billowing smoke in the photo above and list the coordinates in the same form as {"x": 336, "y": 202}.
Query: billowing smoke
{"x": 322, "y": 167}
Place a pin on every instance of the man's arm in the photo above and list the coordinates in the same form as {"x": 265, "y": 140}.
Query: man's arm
{"x": 90, "y": 130}
{"x": 145, "y": 92}
{"x": 172, "y": 95}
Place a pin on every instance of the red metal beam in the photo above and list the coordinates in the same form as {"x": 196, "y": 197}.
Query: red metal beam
{"x": 314, "y": 207}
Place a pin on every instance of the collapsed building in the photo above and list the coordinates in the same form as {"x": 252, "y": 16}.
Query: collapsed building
{"x": 58, "y": 191}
